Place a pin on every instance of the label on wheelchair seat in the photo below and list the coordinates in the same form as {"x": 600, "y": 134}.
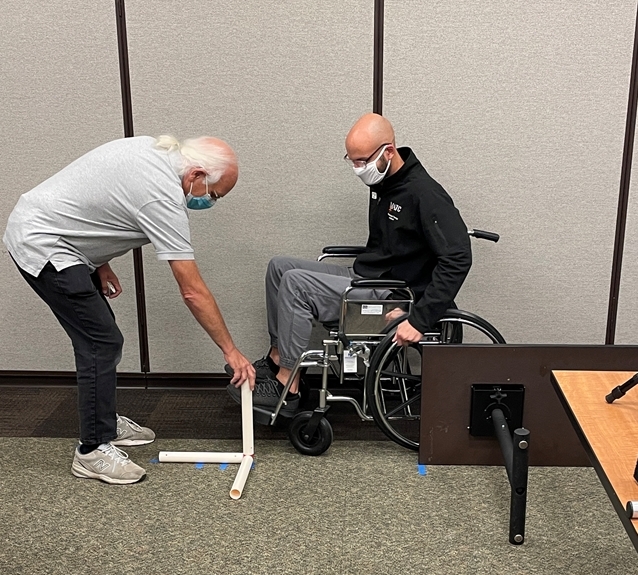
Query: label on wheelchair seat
{"x": 349, "y": 362}
{"x": 371, "y": 309}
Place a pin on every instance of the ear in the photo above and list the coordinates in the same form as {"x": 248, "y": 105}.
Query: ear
{"x": 188, "y": 179}
{"x": 389, "y": 152}
{"x": 193, "y": 174}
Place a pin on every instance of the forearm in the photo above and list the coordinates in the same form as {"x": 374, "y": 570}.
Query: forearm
{"x": 204, "y": 308}
{"x": 447, "y": 278}
{"x": 201, "y": 303}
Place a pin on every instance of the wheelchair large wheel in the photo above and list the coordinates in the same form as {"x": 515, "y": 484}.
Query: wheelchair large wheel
{"x": 315, "y": 445}
{"x": 453, "y": 324}
{"x": 393, "y": 385}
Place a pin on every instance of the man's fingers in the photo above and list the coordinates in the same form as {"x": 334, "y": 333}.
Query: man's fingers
{"x": 243, "y": 373}
{"x": 250, "y": 376}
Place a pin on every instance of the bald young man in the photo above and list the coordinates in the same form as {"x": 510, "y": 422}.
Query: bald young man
{"x": 415, "y": 235}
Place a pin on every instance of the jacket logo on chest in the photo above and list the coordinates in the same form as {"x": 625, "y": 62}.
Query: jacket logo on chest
{"x": 393, "y": 210}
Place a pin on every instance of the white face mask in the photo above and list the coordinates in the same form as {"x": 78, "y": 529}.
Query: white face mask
{"x": 369, "y": 174}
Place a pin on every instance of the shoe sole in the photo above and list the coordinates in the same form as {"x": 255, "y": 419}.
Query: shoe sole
{"x": 131, "y": 442}
{"x": 84, "y": 473}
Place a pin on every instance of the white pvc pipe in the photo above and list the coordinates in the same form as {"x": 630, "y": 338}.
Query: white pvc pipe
{"x": 242, "y": 475}
{"x": 199, "y": 457}
{"x": 247, "y": 419}
{"x": 245, "y": 459}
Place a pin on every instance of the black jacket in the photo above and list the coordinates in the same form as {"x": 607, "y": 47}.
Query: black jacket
{"x": 416, "y": 235}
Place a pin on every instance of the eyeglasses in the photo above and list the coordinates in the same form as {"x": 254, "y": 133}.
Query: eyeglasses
{"x": 212, "y": 192}
{"x": 362, "y": 163}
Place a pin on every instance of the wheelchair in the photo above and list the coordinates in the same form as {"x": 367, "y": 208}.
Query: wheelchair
{"x": 360, "y": 351}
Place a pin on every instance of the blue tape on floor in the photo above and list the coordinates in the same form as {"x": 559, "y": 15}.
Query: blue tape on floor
{"x": 199, "y": 466}
{"x": 223, "y": 466}
{"x": 253, "y": 465}
{"x": 423, "y": 470}
{"x": 154, "y": 460}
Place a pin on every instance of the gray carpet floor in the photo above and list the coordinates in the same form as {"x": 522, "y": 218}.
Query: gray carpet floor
{"x": 364, "y": 507}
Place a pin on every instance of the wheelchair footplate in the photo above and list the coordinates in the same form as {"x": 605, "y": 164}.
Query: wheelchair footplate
{"x": 266, "y": 416}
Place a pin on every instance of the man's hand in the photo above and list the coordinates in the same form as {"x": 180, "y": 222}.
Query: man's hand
{"x": 111, "y": 287}
{"x": 406, "y": 334}
{"x": 242, "y": 368}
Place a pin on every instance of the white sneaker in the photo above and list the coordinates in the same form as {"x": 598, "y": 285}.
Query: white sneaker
{"x": 107, "y": 463}
{"x": 130, "y": 433}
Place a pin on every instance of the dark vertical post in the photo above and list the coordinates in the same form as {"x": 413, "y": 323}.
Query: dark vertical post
{"x": 515, "y": 453}
{"x": 518, "y": 481}
{"x": 625, "y": 178}
{"x": 377, "y": 78}
{"x": 127, "y": 111}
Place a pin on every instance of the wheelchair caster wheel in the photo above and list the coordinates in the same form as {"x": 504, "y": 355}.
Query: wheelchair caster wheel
{"x": 302, "y": 442}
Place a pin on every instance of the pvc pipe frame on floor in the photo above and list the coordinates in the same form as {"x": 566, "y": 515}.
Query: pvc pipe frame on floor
{"x": 244, "y": 459}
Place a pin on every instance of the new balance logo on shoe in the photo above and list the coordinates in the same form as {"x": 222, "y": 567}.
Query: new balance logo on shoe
{"x": 101, "y": 465}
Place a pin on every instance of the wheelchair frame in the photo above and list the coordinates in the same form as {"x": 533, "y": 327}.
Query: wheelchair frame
{"x": 309, "y": 431}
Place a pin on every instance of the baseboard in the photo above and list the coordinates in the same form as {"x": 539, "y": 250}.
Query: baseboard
{"x": 163, "y": 380}
{"x": 135, "y": 380}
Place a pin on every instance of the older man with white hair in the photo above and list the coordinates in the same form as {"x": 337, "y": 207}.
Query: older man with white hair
{"x": 64, "y": 232}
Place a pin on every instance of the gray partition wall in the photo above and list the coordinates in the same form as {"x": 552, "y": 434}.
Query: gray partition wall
{"x": 59, "y": 88}
{"x": 518, "y": 109}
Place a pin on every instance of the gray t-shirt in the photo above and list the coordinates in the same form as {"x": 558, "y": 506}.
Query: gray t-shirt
{"x": 119, "y": 196}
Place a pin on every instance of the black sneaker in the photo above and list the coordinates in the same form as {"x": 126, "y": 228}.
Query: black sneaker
{"x": 265, "y": 368}
{"x": 266, "y": 394}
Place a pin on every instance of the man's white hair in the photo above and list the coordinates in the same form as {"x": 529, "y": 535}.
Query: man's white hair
{"x": 204, "y": 153}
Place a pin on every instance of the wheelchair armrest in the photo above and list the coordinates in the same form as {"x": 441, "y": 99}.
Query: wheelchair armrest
{"x": 343, "y": 250}
{"x": 378, "y": 283}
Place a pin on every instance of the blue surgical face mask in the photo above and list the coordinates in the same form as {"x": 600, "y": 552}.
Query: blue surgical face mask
{"x": 199, "y": 202}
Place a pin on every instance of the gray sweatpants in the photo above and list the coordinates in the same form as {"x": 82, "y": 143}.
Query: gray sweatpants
{"x": 297, "y": 291}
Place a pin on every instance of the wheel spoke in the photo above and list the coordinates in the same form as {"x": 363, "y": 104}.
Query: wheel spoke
{"x": 389, "y": 414}
{"x": 398, "y": 374}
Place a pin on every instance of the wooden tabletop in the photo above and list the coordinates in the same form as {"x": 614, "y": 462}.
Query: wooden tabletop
{"x": 609, "y": 432}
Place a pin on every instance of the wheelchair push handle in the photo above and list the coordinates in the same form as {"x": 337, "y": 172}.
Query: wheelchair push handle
{"x": 483, "y": 235}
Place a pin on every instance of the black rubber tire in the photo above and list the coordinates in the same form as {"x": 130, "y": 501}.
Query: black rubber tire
{"x": 459, "y": 317}
{"x": 316, "y": 445}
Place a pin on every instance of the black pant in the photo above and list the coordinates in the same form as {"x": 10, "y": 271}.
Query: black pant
{"x": 75, "y": 297}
